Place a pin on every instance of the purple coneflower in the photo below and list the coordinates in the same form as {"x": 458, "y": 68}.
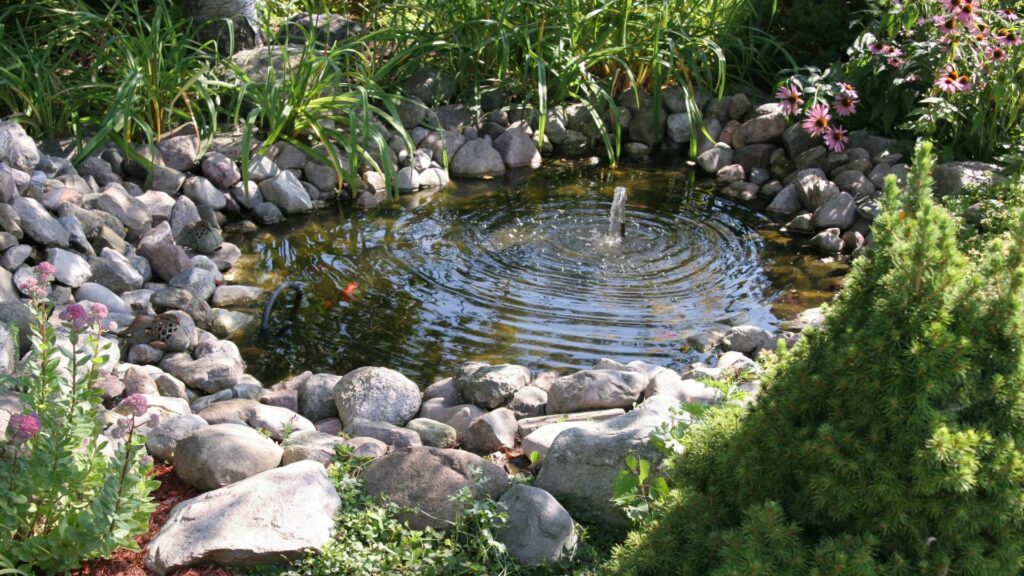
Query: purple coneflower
{"x": 845, "y": 105}
{"x": 965, "y": 13}
{"x": 947, "y": 82}
{"x": 879, "y": 48}
{"x": 1008, "y": 14}
{"x": 847, "y": 90}
{"x": 791, "y": 99}
{"x": 945, "y": 25}
{"x": 963, "y": 83}
{"x": 952, "y": 4}
{"x": 995, "y": 54}
{"x": 836, "y": 138}
{"x": 817, "y": 120}
{"x": 1007, "y": 37}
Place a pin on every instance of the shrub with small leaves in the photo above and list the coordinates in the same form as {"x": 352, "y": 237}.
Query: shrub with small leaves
{"x": 66, "y": 495}
{"x": 887, "y": 442}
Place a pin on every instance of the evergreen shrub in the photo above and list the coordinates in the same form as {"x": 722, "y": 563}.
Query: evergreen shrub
{"x": 888, "y": 442}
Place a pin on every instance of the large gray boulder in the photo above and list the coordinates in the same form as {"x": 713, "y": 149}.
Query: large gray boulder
{"x": 162, "y": 440}
{"x": 223, "y": 454}
{"x": 595, "y": 390}
{"x": 39, "y": 225}
{"x": 538, "y": 530}
{"x": 424, "y": 479}
{"x": 491, "y": 432}
{"x": 748, "y": 339}
{"x": 17, "y": 148}
{"x": 376, "y": 394}
{"x": 839, "y": 211}
{"x": 286, "y": 192}
{"x": 277, "y": 515}
{"x": 489, "y": 386}
{"x": 952, "y": 177}
{"x": 517, "y": 149}
{"x": 760, "y": 129}
{"x": 581, "y": 467}
{"x": 316, "y": 397}
{"x": 476, "y": 159}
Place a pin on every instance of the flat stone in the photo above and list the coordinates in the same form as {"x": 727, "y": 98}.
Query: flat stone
{"x": 71, "y": 269}
{"x": 389, "y": 434}
{"x": 278, "y": 515}
{"x": 595, "y": 389}
{"x": 491, "y": 432}
{"x": 39, "y": 225}
{"x": 286, "y": 192}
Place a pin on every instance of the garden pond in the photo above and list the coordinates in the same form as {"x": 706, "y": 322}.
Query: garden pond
{"x": 523, "y": 270}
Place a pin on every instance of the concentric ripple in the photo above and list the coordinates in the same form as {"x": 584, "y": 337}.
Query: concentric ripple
{"x": 525, "y": 275}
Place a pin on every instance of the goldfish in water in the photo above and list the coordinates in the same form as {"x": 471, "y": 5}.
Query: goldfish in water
{"x": 349, "y": 292}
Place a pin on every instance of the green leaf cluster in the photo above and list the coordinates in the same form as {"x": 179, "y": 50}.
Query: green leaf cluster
{"x": 887, "y": 442}
{"x": 65, "y": 495}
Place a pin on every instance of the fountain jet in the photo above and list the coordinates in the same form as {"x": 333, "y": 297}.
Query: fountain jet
{"x": 617, "y": 217}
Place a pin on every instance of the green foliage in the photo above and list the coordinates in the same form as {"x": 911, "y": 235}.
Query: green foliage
{"x": 816, "y": 32}
{"x": 888, "y": 442}
{"x": 370, "y": 540}
{"x": 984, "y": 214}
{"x": 986, "y": 120}
{"x": 122, "y": 70}
{"x": 64, "y": 499}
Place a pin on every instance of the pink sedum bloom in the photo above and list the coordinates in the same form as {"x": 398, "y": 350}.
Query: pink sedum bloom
{"x": 24, "y": 427}
{"x": 791, "y": 99}
{"x": 817, "y": 120}
{"x": 97, "y": 310}
{"x": 76, "y": 315}
{"x": 45, "y": 271}
{"x": 136, "y": 404}
{"x": 836, "y": 139}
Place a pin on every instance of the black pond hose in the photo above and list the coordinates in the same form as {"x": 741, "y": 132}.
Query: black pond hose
{"x": 299, "y": 289}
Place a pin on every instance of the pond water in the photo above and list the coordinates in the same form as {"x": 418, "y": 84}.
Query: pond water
{"x": 525, "y": 272}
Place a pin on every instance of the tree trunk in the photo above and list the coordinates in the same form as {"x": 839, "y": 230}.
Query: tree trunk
{"x": 215, "y": 20}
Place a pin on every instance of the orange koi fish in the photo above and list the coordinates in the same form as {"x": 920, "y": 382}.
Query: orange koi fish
{"x": 349, "y": 292}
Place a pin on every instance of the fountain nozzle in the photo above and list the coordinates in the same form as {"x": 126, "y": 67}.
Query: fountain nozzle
{"x": 617, "y": 217}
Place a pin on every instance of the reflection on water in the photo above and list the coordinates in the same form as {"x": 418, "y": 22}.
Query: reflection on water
{"x": 526, "y": 274}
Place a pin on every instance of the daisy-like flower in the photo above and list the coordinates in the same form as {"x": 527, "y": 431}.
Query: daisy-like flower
{"x": 791, "y": 99}
{"x": 76, "y": 315}
{"x": 877, "y": 47}
{"x": 965, "y": 12}
{"x": 947, "y": 82}
{"x": 963, "y": 83}
{"x": 1007, "y": 37}
{"x": 836, "y": 138}
{"x": 946, "y": 25}
{"x": 845, "y": 105}
{"x": 817, "y": 120}
{"x": 895, "y": 62}
{"x": 995, "y": 54}
{"x": 952, "y": 5}
{"x": 847, "y": 90}
{"x": 1008, "y": 15}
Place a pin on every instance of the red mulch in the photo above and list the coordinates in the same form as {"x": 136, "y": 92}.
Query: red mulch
{"x": 125, "y": 563}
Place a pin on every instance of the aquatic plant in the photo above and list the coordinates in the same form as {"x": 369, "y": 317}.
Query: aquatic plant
{"x": 887, "y": 442}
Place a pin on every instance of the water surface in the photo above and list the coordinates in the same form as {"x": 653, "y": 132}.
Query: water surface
{"x": 525, "y": 273}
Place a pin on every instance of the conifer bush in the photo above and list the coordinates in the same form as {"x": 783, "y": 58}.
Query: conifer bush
{"x": 889, "y": 442}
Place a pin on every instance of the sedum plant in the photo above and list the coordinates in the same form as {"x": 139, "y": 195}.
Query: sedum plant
{"x": 888, "y": 442}
{"x": 67, "y": 495}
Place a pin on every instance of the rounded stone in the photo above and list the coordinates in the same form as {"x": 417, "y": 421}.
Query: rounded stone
{"x": 377, "y": 395}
